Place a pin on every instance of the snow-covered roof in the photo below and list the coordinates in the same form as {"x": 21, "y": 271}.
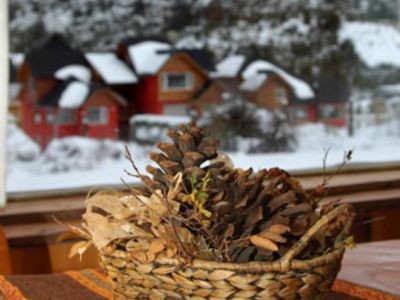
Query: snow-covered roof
{"x": 78, "y": 72}
{"x": 229, "y": 66}
{"x": 253, "y": 79}
{"x": 74, "y": 95}
{"x": 376, "y": 44}
{"x": 17, "y": 59}
{"x": 111, "y": 69}
{"x": 253, "y": 83}
{"x": 157, "y": 119}
{"x": 146, "y": 58}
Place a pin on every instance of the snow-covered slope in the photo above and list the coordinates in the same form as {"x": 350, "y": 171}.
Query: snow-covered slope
{"x": 376, "y": 44}
{"x": 81, "y": 162}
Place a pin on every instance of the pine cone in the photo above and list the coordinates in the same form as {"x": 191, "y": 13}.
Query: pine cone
{"x": 244, "y": 215}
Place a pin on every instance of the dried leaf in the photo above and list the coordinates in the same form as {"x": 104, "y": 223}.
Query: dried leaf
{"x": 156, "y": 246}
{"x": 263, "y": 243}
{"x": 279, "y": 229}
{"x": 111, "y": 204}
{"x": 103, "y": 230}
{"x": 79, "y": 248}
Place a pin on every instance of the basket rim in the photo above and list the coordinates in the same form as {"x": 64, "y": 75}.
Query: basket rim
{"x": 332, "y": 257}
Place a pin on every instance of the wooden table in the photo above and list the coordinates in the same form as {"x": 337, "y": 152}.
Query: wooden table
{"x": 374, "y": 265}
{"x": 370, "y": 271}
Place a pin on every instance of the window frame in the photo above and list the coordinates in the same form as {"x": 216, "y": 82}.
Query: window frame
{"x": 165, "y": 85}
{"x": 281, "y": 95}
{"x": 69, "y": 113}
{"x": 103, "y": 115}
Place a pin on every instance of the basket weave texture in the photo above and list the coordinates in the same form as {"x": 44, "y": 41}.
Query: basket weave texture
{"x": 286, "y": 278}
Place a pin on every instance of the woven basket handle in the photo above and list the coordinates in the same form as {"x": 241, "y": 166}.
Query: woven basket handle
{"x": 303, "y": 242}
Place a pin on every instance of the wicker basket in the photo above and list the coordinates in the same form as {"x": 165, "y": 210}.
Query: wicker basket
{"x": 286, "y": 278}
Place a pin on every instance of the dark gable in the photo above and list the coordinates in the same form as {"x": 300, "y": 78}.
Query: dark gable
{"x": 54, "y": 54}
{"x": 53, "y": 97}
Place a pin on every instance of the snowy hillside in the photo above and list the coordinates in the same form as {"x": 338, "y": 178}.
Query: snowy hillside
{"x": 376, "y": 44}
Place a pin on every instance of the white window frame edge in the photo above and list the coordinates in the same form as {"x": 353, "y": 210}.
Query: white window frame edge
{"x": 4, "y": 79}
{"x": 166, "y": 88}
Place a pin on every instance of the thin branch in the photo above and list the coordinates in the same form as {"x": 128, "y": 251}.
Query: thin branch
{"x": 129, "y": 157}
{"x": 347, "y": 156}
{"x": 324, "y": 162}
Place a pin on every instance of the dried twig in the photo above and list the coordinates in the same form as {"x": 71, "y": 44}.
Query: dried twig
{"x": 129, "y": 157}
{"x": 347, "y": 156}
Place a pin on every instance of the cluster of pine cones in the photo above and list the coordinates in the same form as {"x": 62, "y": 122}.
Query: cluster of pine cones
{"x": 244, "y": 215}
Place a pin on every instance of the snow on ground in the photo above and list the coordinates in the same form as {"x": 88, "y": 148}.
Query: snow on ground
{"x": 252, "y": 74}
{"x": 76, "y": 71}
{"x": 376, "y": 44}
{"x": 83, "y": 163}
{"x": 19, "y": 147}
{"x": 74, "y": 95}
{"x": 111, "y": 68}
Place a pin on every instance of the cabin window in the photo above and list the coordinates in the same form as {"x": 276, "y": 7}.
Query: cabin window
{"x": 67, "y": 116}
{"x": 177, "y": 81}
{"x": 280, "y": 94}
{"x": 329, "y": 111}
{"x": 97, "y": 115}
{"x": 50, "y": 116}
{"x": 299, "y": 113}
{"x": 37, "y": 117}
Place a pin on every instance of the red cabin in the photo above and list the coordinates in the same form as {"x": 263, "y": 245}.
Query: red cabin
{"x": 169, "y": 78}
{"x": 59, "y": 100}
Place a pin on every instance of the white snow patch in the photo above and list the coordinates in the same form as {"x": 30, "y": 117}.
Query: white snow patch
{"x": 159, "y": 119}
{"x": 376, "y": 44}
{"x": 145, "y": 57}
{"x": 111, "y": 68}
{"x": 78, "y": 154}
{"x": 17, "y": 59}
{"x": 300, "y": 88}
{"x": 74, "y": 95}
{"x": 19, "y": 146}
{"x": 78, "y": 72}
{"x": 253, "y": 83}
{"x": 229, "y": 67}
{"x": 79, "y": 162}
{"x": 390, "y": 88}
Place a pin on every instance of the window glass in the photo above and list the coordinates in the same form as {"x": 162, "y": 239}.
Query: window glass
{"x": 298, "y": 113}
{"x": 281, "y": 96}
{"x": 177, "y": 81}
{"x": 97, "y": 115}
{"x": 67, "y": 116}
{"x": 50, "y": 116}
{"x": 37, "y": 117}
{"x": 329, "y": 111}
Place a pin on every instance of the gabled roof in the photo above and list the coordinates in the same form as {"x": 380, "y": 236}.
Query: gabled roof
{"x": 54, "y": 54}
{"x": 202, "y": 57}
{"x": 255, "y": 74}
{"x": 79, "y": 72}
{"x": 148, "y": 57}
{"x": 73, "y": 94}
{"x": 67, "y": 94}
{"x": 229, "y": 67}
{"x": 111, "y": 69}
